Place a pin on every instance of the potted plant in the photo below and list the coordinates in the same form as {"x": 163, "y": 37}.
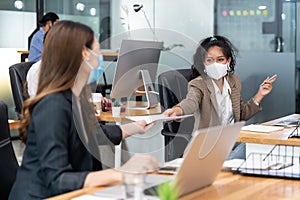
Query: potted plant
{"x": 116, "y": 108}
{"x": 167, "y": 191}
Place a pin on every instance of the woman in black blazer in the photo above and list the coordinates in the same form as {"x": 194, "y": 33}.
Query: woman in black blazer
{"x": 59, "y": 127}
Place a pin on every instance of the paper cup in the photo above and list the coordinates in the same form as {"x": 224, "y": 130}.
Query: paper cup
{"x": 97, "y": 99}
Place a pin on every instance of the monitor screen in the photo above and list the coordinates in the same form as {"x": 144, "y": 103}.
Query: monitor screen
{"x": 135, "y": 57}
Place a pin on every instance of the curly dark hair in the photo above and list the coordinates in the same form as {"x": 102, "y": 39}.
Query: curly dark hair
{"x": 227, "y": 47}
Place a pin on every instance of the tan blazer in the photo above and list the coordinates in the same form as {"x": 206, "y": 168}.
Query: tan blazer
{"x": 201, "y": 100}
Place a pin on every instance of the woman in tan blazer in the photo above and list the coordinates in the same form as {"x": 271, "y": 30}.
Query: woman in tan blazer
{"x": 214, "y": 97}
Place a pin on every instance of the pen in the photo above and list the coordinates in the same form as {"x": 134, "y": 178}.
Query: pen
{"x": 272, "y": 77}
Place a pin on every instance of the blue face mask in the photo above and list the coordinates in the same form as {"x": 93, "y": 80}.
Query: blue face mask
{"x": 97, "y": 72}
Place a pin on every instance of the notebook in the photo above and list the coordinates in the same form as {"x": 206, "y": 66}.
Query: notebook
{"x": 200, "y": 165}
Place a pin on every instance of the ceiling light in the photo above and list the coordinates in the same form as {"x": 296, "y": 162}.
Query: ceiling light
{"x": 262, "y": 7}
{"x": 80, "y": 7}
{"x": 93, "y": 11}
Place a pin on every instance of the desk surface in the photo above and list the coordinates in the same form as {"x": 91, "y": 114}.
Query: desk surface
{"x": 235, "y": 186}
{"x": 278, "y": 137}
{"x": 229, "y": 186}
{"x": 107, "y": 116}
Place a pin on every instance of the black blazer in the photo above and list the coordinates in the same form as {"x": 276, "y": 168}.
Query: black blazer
{"x": 55, "y": 160}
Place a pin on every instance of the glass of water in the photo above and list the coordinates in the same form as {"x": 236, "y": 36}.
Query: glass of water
{"x": 134, "y": 185}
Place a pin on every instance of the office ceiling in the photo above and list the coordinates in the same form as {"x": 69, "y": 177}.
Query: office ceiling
{"x": 59, "y": 6}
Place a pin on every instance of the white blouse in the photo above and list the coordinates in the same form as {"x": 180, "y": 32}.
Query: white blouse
{"x": 224, "y": 103}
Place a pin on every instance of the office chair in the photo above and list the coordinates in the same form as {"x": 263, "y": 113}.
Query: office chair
{"x": 9, "y": 164}
{"x": 17, "y": 73}
{"x": 172, "y": 86}
{"x": 104, "y": 88}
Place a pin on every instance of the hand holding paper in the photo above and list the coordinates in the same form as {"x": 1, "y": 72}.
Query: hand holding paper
{"x": 156, "y": 118}
{"x": 137, "y": 127}
{"x": 172, "y": 112}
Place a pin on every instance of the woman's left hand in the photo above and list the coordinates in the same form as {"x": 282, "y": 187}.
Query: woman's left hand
{"x": 138, "y": 127}
{"x": 266, "y": 87}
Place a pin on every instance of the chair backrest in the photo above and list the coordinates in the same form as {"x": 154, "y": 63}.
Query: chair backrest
{"x": 9, "y": 164}
{"x": 18, "y": 73}
{"x": 104, "y": 88}
{"x": 172, "y": 86}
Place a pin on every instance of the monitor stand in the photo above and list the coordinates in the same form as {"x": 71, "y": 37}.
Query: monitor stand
{"x": 151, "y": 94}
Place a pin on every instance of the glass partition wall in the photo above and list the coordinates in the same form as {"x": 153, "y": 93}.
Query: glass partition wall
{"x": 264, "y": 29}
{"x": 17, "y": 22}
{"x": 265, "y": 33}
{"x": 94, "y": 13}
{"x": 19, "y": 19}
{"x": 180, "y": 28}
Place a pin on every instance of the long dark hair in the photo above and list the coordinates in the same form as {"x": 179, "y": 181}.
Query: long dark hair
{"x": 227, "y": 47}
{"x": 61, "y": 59}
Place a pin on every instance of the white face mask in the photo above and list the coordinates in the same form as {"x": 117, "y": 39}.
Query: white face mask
{"x": 216, "y": 70}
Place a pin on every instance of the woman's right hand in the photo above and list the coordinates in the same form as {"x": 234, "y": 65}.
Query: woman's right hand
{"x": 170, "y": 113}
{"x": 139, "y": 163}
{"x": 173, "y": 112}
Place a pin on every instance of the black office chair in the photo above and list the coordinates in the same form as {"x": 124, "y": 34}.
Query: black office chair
{"x": 104, "y": 88}
{"x": 9, "y": 164}
{"x": 172, "y": 86}
{"x": 18, "y": 73}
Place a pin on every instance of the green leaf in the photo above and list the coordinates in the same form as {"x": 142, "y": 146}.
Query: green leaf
{"x": 168, "y": 191}
{"x": 116, "y": 103}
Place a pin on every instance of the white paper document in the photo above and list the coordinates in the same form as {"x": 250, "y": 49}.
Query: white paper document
{"x": 233, "y": 164}
{"x": 93, "y": 197}
{"x": 156, "y": 118}
{"x": 262, "y": 128}
{"x": 174, "y": 163}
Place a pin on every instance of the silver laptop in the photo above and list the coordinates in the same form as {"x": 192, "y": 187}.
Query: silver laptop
{"x": 204, "y": 157}
{"x": 201, "y": 163}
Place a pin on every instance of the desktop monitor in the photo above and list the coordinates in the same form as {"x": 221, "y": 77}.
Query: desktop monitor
{"x": 136, "y": 70}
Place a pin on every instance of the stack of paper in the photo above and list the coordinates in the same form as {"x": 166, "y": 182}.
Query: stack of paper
{"x": 262, "y": 128}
